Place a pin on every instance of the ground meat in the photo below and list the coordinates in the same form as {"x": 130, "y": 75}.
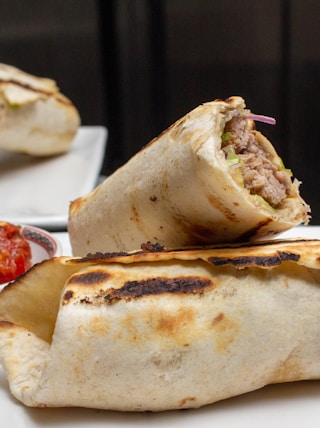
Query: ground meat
{"x": 260, "y": 175}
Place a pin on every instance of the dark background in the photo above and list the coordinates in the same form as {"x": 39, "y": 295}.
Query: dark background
{"x": 135, "y": 66}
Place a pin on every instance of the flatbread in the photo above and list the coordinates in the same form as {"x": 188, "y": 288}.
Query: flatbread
{"x": 182, "y": 189}
{"x": 35, "y": 118}
{"x": 158, "y": 329}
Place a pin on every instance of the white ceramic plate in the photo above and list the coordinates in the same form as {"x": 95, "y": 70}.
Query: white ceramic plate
{"x": 278, "y": 406}
{"x": 38, "y": 191}
{"x": 43, "y": 244}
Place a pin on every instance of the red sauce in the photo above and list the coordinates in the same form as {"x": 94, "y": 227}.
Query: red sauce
{"x": 15, "y": 252}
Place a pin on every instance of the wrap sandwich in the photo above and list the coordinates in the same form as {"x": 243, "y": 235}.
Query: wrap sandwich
{"x": 209, "y": 178}
{"x": 35, "y": 118}
{"x": 161, "y": 329}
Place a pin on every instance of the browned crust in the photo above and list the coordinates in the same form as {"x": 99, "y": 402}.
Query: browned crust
{"x": 156, "y": 286}
{"x": 264, "y": 261}
{"x": 260, "y": 254}
{"x": 56, "y": 95}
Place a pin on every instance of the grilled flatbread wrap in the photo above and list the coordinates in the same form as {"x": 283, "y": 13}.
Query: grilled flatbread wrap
{"x": 158, "y": 329}
{"x": 209, "y": 178}
{"x": 35, "y": 118}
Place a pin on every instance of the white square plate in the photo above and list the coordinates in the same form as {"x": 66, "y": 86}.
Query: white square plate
{"x": 38, "y": 191}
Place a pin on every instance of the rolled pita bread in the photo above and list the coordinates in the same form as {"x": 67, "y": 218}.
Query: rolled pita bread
{"x": 159, "y": 329}
{"x": 209, "y": 178}
{"x": 35, "y": 118}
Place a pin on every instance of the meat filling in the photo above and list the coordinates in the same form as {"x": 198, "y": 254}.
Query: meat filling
{"x": 260, "y": 176}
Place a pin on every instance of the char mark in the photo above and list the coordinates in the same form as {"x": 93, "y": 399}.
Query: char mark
{"x": 89, "y": 278}
{"x": 68, "y": 295}
{"x": 156, "y": 286}
{"x": 37, "y": 90}
{"x": 262, "y": 261}
{"x": 98, "y": 256}
{"x": 245, "y": 237}
{"x": 152, "y": 248}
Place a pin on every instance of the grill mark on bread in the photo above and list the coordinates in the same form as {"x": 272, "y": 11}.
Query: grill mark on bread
{"x": 254, "y": 230}
{"x": 89, "y": 278}
{"x": 63, "y": 100}
{"x": 194, "y": 230}
{"x": 220, "y": 205}
{"x": 156, "y": 286}
{"x": 262, "y": 261}
{"x": 98, "y": 256}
